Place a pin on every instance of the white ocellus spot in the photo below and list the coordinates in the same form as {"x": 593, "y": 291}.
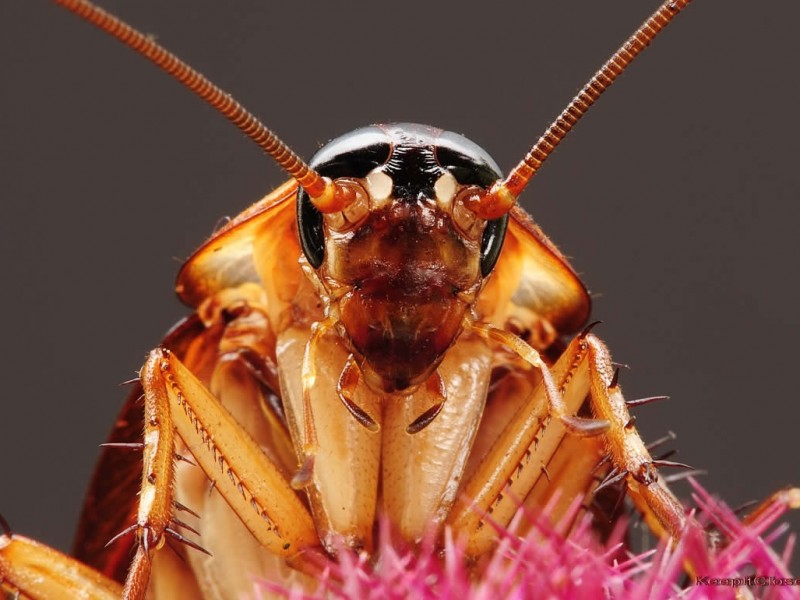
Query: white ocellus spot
{"x": 445, "y": 189}
{"x": 379, "y": 185}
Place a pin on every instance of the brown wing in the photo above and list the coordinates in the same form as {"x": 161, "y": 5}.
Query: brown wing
{"x": 533, "y": 276}
{"x": 110, "y": 504}
{"x": 226, "y": 259}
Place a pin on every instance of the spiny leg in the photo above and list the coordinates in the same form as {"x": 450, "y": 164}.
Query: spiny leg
{"x": 175, "y": 400}
{"x": 510, "y": 460}
{"x": 158, "y": 474}
{"x": 504, "y": 475}
{"x": 628, "y": 453}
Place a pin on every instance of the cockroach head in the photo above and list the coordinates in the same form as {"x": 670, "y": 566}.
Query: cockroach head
{"x": 406, "y": 162}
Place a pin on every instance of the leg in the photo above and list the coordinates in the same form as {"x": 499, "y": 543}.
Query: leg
{"x": 250, "y": 483}
{"x": 304, "y": 475}
{"x": 343, "y": 485}
{"x": 557, "y": 408}
{"x": 36, "y": 571}
{"x": 629, "y": 455}
{"x": 513, "y": 462}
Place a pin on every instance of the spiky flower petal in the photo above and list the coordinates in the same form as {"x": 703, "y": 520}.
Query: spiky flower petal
{"x": 729, "y": 558}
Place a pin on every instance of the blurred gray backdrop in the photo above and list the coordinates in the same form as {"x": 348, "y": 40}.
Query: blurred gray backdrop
{"x": 676, "y": 198}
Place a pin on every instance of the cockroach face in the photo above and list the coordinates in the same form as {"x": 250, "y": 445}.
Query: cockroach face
{"x": 403, "y": 261}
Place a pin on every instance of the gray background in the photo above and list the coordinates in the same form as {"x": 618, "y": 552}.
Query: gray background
{"x": 676, "y": 197}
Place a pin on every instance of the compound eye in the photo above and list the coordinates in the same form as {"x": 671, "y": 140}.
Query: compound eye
{"x": 492, "y": 243}
{"x": 310, "y": 229}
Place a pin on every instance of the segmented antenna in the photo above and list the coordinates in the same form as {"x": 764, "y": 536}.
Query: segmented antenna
{"x": 504, "y": 194}
{"x": 318, "y": 187}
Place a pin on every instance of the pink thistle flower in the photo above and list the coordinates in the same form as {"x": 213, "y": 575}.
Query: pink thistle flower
{"x": 727, "y": 558}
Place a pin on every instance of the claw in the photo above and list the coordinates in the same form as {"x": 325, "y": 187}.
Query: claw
{"x": 121, "y": 534}
{"x": 182, "y": 458}
{"x": 610, "y": 480}
{"x": 5, "y": 527}
{"x": 345, "y": 388}
{"x": 620, "y": 500}
{"x": 685, "y": 475}
{"x": 661, "y": 441}
{"x": 178, "y": 523}
{"x": 144, "y": 539}
{"x": 667, "y": 454}
{"x": 588, "y": 328}
{"x": 425, "y": 419}
{"x": 360, "y": 414}
{"x": 603, "y": 461}
{"x": 184, "y": 540}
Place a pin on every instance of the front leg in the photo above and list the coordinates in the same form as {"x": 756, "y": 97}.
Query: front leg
{"x": 253, "y": 486}
{"x": 529, "y": 452}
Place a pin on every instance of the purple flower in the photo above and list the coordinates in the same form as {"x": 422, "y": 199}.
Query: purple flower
{"x": 724, "y": 557}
